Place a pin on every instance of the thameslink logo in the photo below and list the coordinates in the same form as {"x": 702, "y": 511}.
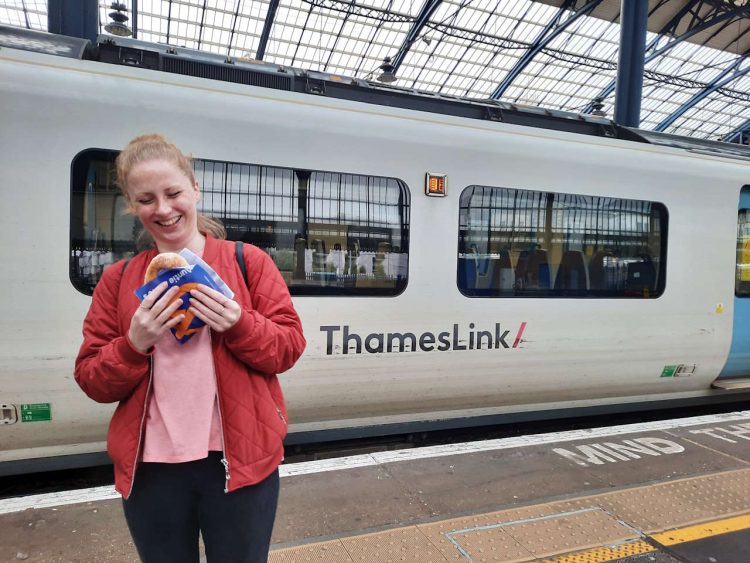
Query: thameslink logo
{"x": 380, "y": 342}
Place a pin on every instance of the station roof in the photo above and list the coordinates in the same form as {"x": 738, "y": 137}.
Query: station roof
{"x": 558, "y": 54}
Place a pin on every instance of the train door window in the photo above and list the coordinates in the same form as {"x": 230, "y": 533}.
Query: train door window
{"x": 329, "y": 233}
{"x": 523, "y": 243}
{"x": 742, "y": 277}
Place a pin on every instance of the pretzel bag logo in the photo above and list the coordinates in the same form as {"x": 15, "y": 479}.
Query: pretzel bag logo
{"x": 186, "y": 278}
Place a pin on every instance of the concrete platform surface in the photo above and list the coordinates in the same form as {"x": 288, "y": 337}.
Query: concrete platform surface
{"x": 536, "y": 497}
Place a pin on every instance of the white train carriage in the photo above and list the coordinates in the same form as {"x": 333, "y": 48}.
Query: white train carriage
{"x": 570, "y": 265}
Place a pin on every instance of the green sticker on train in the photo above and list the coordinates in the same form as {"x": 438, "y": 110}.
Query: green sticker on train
{"x": 668, "y": 371}
{"x": 36, "y": 412}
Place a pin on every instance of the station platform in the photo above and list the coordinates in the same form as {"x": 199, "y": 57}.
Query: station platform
{"x": 675, "y": 490}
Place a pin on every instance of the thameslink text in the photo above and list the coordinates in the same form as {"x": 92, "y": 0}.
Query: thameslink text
{"x": 387, "y": 342}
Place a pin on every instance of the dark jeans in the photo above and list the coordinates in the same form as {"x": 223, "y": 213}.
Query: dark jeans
{"x": 172, "y": 502}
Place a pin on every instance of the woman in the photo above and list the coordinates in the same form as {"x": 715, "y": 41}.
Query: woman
{"x": 196, "y": 439}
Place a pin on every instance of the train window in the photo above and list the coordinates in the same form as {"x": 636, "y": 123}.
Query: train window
{"x": 520, "y": 243}
{"x": 329, "y": 233}
{"x": 742, "y": 277}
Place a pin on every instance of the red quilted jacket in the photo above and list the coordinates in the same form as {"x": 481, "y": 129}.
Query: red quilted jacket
{"x": 265, "y": 341}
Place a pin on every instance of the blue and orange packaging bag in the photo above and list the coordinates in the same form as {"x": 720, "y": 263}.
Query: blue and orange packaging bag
{"x": 186, "y": 278}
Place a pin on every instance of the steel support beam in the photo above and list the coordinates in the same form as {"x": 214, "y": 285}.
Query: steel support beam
{"x": 654, "y": 50}
{"x": 423, "y": 17}
{"x": 740, "y": 135}
{"x": 554, "y": 28}
{"x": 267, "y": 25}
{"x": 629, "y": 87}
{"x": 76, "y": 18}
{"x": 134, "y": 18}
{"x": 728, "y": 75}
{"x": 201, "y": 26}
{"x": 234, "y": 28}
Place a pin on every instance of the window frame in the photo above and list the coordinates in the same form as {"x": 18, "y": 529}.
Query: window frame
{"x": 551, "y": 292}
{"x": 80, "y": 166}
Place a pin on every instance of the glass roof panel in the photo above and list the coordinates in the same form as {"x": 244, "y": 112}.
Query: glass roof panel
{"x": 691, "y": 62}
{"x": 13, "y": 16}
{"x": 560, "y": 76}
{"x": 247, "y": 36}
{"x": 713, "y": 117}
{"x": 473, "y": 34}
{"x": 30, "y": 14}
{"x": 337, "y": 36}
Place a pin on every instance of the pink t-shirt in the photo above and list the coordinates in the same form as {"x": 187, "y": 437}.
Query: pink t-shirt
{"x": 182, "y": 422}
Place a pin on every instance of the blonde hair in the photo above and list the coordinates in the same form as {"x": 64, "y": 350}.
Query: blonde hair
{"x": 145, "y": 148}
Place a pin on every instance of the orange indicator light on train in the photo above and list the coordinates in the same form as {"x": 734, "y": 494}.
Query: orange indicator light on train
{"x": 435, "y": 184}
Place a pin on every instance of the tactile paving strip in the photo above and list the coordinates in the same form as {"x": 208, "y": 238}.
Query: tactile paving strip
{"x": 547, "y": 535}
{"x": 493, "y": 544}
{"x": 324, "y": 552}
{"x": 601, "y": 554}
{"x": 504, "y": 547}
{"x": 561, "y": 531}
{"x": 404, "y": 544}
{"x": 674, "y": 503}
{"x": 668, "y": 538}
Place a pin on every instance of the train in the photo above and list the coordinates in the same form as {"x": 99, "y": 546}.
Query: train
{"x": 454, "y": 262}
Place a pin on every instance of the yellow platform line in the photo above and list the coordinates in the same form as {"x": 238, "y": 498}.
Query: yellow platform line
{"x": 602, "y": 554}
{"x": 672, "y": 537}
{"x": 700, "y": 531}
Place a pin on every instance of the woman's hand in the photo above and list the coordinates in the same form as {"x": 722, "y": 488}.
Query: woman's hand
{"x": 213, "y": 308}
{"x": 154, "y": 317}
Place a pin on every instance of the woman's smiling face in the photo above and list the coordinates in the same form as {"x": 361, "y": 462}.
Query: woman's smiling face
{"x": 165, "y": 200}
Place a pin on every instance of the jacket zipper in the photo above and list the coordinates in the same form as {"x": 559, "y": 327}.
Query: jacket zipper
{"x": 143, "y": 421}
{"x": 281, "y": 415}
{"x": 224, "y": 460}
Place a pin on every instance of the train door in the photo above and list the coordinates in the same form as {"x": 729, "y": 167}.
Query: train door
{"x": 738, "y": 363}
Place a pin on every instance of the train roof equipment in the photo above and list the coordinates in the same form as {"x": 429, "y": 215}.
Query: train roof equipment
{"x": 190, "y": 62}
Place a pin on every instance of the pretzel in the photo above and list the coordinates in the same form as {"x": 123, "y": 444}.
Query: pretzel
{"x": 163, "y": 261}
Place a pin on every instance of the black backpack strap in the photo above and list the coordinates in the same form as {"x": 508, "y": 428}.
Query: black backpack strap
{"x": 240, "y": 254}
{"x": 119, "y": 285}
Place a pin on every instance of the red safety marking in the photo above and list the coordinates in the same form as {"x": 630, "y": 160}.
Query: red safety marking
{"x": 520, "y": 333}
